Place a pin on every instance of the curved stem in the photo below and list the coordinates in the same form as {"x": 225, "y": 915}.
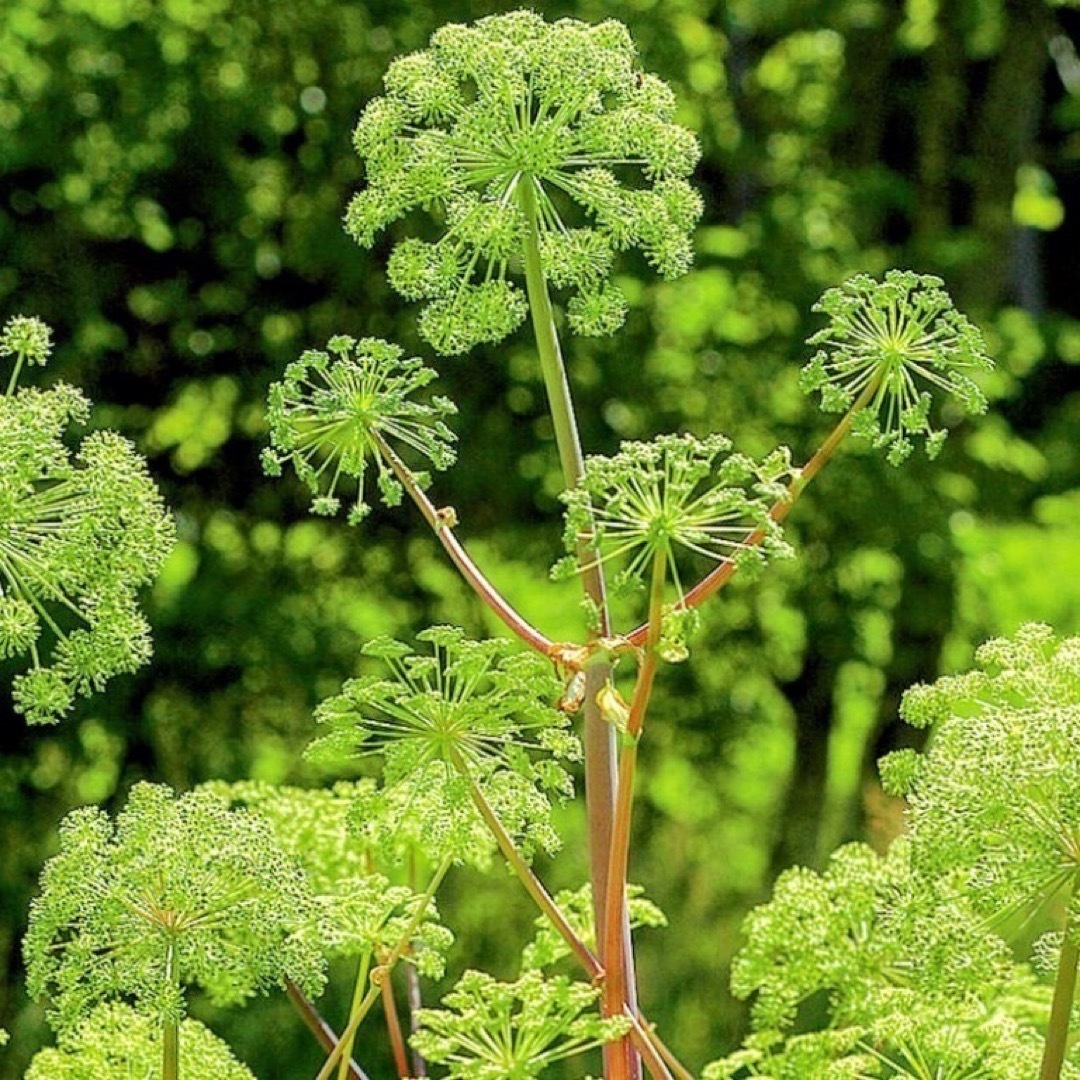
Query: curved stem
{"x": 323, "y": 1032}
{"x": 443, "y": 529}
{"x": 719, "y": 577}
{"x": 641, "y": 1034}
{"x": 615, "y": 898}
{"x": 384, "y": 970}
{"x": 1057, "y": 1031}
{"x": 599, "y": 738}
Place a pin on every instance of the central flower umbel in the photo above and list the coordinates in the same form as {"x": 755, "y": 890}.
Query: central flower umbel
{"x": 515, "y": 126}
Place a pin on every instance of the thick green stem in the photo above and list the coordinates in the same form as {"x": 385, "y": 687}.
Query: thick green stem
{"x": 612, "y": 952}
{"x": 359, "y": 988}
{"x": 170, "y": 1051}
{"x": 170, "y": 1033}
{"x": 1057, "y": 1032}
{"x": 384, "y": 970}
{"x": 599, "y": 738}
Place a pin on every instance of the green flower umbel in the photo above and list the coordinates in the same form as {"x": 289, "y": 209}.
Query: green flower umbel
{"x": 465, "y": 712}
{"x": 117, "y": 1041}
{"x": 335, "y": 410}
{"x": 676, "y": 493}
{"x": 516, "y": 126}
{"x": 893, "y": 340}
{"x": 79, "y": 534}
{"x": 176, "y": 892}
{"x": 512, "y": 1031}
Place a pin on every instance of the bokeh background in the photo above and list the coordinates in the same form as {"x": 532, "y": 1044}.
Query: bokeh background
{"x": 172, "y": 179}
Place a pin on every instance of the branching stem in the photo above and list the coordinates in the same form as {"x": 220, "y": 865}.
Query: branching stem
{"x": 641, "y": 1035}
{"x": 533, "y": 885}
{"x": 491, "y": 597}
{"x": 599, "y": 738}
{"x": 720, "y": 576}
{"x": 384, "y": 970}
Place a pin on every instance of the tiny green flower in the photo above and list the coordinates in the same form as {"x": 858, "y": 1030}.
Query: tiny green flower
{"x": 513, "y": 128}
{"x": 79, "y": 534}
{"x": 468, "y": 711}
{"x": 357, "y": 910}
{"x": 996, "y": 796}
{"x": 177, "y": 892}
{"x": 489, "y": 1030}
{"x": 334, "y": 410}
{"x": 676, "y": 493}
{"x": 116, "y": 1042}
{"x": 893, "y": 339}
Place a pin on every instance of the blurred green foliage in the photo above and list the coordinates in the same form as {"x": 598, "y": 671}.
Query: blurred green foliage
{"x": 173, "y": 178}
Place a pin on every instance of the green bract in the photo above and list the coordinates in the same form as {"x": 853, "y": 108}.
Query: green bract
{"x": 79, "y": 534}
{"x": 894, "y": 339}
{"x": 116, "y": 1042}
{"x": 512, "y": 1031}
{"x": 335, "y": 410}
{"x": 470, "y": 711}
{"x": 517, "y": 132}
{"x": 177, "y": 892}
{"x": 675, "y": 493}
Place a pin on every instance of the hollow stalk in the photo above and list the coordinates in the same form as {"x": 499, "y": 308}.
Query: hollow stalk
{"x": 612, "y": 952}
{"x": 599, "y": 737}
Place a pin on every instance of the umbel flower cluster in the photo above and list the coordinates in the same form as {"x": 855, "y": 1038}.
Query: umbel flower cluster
{"x": 525, "y": 140}
{"x": 916, "y": 985}
{"x": 177, "y": 892}
{"x": 886, "y": 343}
{"x": 466, "y": 713}
{"x": 337, "y": 411}
{"x": 79, "y": 534}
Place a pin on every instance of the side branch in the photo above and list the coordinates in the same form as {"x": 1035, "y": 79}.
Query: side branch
{"x": 640, "y": 1031}
{"x": 443, "y": 529}
{"x": 716, "y": 579}
{"x": 322, "y": 1031}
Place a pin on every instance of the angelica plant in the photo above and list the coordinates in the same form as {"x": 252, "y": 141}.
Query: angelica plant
{"x": 80, "y": 533}
{"x": 177, "y": 892}
{"x": 117, "y": 1040}
{"x": 540, "y": 154}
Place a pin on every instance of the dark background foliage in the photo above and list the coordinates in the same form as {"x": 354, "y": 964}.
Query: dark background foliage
{"x": 172, "y": 178}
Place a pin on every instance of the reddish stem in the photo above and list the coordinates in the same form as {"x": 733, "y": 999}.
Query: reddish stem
{"x": 393, "y": 1028}
{"x": 323, "y": 1032}
{"x": 442, "y": 523}
{"x": 720, "y": 576}
{"x": 612, "y": 952}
